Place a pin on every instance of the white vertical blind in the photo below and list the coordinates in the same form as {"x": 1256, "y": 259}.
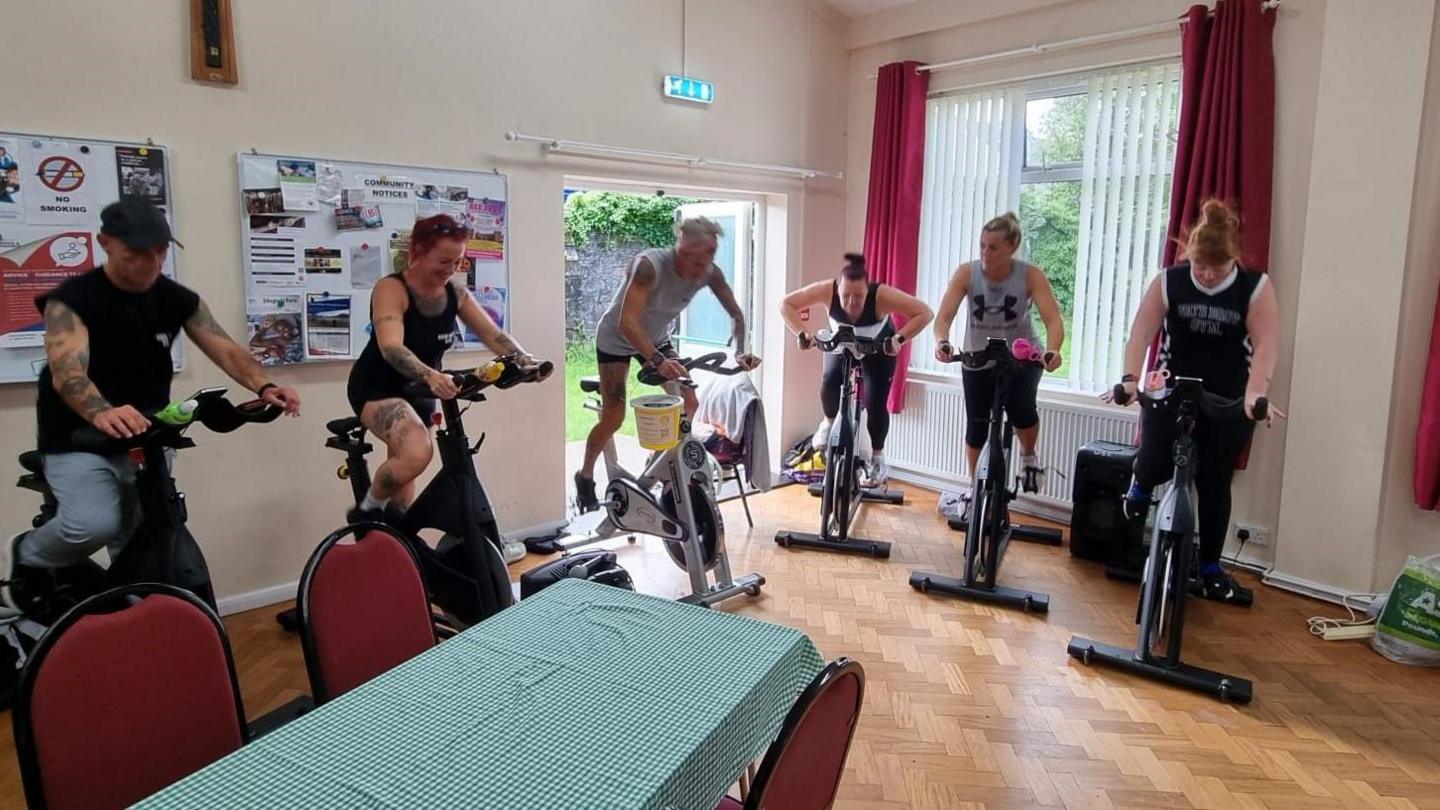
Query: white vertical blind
{"x": 1124, "y": 200}
{"x": 971, "y": 175}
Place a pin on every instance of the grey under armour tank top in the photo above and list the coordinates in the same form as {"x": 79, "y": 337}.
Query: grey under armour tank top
{"x": 998, "y": 309}
{"x": 669, "y": 296}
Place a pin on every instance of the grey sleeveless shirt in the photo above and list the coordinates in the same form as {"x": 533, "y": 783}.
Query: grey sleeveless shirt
{"x": 669, "y": 296}
{"x": 998, "y": 309}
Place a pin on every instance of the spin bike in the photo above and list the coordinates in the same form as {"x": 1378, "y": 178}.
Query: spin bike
{"x": 841, "y": 493}
{"x": 685, "y": 516}
{"x": 1161, "y": 611}
{"x": 466, "y": 570}
{"x": 161, "y": 549}
{"x": 988, "y": 529}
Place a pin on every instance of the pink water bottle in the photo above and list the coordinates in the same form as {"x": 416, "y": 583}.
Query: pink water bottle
{"x": 1025, "y": 351}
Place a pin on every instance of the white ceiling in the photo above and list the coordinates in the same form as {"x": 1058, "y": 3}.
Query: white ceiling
{"x": 855, "y": 8}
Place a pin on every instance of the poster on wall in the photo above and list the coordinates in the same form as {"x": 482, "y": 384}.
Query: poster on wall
{"x": 59, "y": 184}
{"x": 140, "y": 172}
{"x": 10, "y": 198}
{"x": 487, "y": 229}
{"x": 310, "y": 271}
{"x": 272, "y": 325}
{"x": 327, "y": 325}
{"x": 297, "y": 185}
{"x": 32, "y": 270}
{"x": 52, "y": 190}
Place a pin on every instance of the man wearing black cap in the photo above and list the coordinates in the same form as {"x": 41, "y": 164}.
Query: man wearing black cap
{"x": 107, "y": 345}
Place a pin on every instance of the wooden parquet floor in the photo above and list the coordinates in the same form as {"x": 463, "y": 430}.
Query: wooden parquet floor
{"x": 973, "y": 706}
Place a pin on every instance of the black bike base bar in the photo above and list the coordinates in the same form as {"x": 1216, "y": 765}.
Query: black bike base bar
{"x": 1028, "y": 601}
{"x": 890, "y": 496}
{"x": 854, "y": 545}
{"x": 1033, "y": 534}
{"x": 1217, "y": 684}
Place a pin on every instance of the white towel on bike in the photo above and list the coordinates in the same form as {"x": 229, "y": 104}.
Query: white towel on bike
{"x": 733, "y": 405}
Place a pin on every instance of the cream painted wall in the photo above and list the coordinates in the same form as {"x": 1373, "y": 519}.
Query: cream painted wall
{"x": 1297, "y": 39}
{"x": 430, "y": 82}
{"x": 1367, "y": 133}
{"x": 1405, "y": 528}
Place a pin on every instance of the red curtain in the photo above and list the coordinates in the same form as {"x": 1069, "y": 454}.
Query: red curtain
{"x": 897, "y": 172}
{"x": 1427, "y": 434}
{"x": 1226, "y": 140}
{"x": 1225, "y": 143}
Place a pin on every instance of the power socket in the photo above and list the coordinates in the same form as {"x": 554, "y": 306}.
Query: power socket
{"x": 1252, "y": 535}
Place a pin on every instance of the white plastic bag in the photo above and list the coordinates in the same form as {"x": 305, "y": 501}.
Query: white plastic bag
{"x": 1408, "y": 630}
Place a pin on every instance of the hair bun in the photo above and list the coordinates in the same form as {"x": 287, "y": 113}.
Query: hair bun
{"x": 1216, "y": 212}
{"x": 855, "y": 258}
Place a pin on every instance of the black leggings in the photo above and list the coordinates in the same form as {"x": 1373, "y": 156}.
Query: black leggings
{"x": 1218, "y": 445}
{"x": 1018, "y": 400}
{"x": 877, "y": 371}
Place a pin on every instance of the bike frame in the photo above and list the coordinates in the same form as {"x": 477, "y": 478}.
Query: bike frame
{"x": 840, "y": 493}
{"x": 1161, "y": 611}
{"x": 630, "y": 507}
{"x": 989, "y": 530}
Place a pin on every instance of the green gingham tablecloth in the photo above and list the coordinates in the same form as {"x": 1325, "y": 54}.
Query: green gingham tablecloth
{"x": 582, "y": 696}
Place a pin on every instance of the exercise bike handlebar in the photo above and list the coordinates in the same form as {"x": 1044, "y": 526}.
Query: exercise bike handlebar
{"x": 1191, "y": 390}
{"x": 207, "y": 406}
{"x": 999, "y": 352}
{"x": 503, "y": 372}
{"x": 713, "y": 363}
{"x": 845, "y": 338}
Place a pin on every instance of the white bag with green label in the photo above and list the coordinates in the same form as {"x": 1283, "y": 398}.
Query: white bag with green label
{"x": 1408, "y": 630}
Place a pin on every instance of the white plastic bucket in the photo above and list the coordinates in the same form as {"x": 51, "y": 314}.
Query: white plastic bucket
{"x": 657, "y": 420}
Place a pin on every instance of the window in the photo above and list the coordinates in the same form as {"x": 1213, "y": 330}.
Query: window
{"x": 1086, "y": 162}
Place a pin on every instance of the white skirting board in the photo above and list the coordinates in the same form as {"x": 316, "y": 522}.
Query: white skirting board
{"x": 284, "y": 592}
{"x": 273, "y": 595}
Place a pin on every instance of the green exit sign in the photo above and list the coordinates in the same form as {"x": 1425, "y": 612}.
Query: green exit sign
{"x": 686, "y": 88}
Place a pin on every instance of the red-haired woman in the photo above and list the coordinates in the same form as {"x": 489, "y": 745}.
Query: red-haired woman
{"x": 1220, "y": 323}
{"x": 413, "y": 314}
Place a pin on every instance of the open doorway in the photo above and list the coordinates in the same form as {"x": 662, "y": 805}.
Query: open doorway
{"x": 606, "y": 226}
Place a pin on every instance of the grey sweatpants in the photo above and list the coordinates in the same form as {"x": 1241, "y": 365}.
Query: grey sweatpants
{"x": 98, "y": 506}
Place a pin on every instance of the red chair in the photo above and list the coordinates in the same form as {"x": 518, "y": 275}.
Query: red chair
{"x": 802, "y": 769}
{"x": 129, "y": 691}
{"x": 364, "y": 609}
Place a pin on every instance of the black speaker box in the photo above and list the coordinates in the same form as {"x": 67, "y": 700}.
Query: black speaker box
{"x": 1097, "y": 521}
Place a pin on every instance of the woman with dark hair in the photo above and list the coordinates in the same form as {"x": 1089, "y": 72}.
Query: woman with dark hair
{"x": 1002, "y": 289}
{"x": 1221, "y": 324}
{"x": 413, "y": 316}
{"x": 866, "y": 306}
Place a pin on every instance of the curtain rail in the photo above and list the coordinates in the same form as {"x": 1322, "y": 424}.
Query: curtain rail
{"x": 1065, "y": 44}
{"x": 549, "y": 144}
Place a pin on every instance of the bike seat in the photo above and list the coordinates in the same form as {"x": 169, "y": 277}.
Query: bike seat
{"x": 590, "y": 385}
{"x": 343, "y": 427}
{"x": 31, "y": 461}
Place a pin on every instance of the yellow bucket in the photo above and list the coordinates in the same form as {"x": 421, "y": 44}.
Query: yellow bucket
{"x": 657, "y": 420}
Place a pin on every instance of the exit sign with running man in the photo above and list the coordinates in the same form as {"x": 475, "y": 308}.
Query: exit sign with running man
{"x": 686, "y": 88}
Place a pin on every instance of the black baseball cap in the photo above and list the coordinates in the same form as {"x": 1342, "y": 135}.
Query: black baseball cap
{"x": 137, "y": 222}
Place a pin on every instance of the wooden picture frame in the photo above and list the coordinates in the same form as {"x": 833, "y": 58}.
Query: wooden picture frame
{"x": 212, "y": 42}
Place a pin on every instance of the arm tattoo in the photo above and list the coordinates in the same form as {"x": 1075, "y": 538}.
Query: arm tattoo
{"x": 404, "y": 361}
{"x": 204, "y": 320}
{"x": 70, "y": 364}
{"x": 503, "y": 344}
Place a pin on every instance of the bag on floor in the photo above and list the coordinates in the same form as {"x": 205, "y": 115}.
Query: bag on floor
{"x": 1409, "y": 627}
{"x": 596, "y": 566}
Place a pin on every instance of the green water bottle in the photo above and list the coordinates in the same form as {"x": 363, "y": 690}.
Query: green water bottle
{"x": 178, "y": 413}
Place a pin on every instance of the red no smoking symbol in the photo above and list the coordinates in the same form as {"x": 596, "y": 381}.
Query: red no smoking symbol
{"x": 60, "y": 173}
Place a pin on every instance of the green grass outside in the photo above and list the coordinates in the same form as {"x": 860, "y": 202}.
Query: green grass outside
{"x": 580, "y": 362}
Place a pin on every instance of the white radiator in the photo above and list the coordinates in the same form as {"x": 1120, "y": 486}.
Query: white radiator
{"x": 927, "y": 440}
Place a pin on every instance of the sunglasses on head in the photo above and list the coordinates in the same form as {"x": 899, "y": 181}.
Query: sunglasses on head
{"x": 451, "y": 229}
